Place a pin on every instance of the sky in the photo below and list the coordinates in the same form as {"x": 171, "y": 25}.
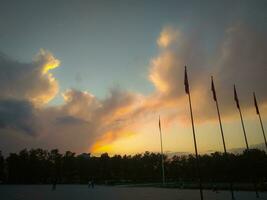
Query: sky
{"x": 94, "y": 76}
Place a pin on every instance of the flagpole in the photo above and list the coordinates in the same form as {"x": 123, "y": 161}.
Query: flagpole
{"x": 245, "y": 136}
{"x": 220, "y": 122}
{"x": 263, "y": 131}
{"x": 219, "y": 115}
{"x": 221, "y": 128}
{"x": 194, "y": 135}
{"x": 258, "y": 112}
{"x": 162, "y": 157}
{"x": 244, "y": 131}
{"x": 241, "y": 117}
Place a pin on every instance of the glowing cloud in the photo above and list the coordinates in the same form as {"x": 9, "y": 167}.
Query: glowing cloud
{"x": 104, "y": 144}
{"x": 46, "y": 60}
{"x": 29, "y": 81}
{"x": 168, "y": 36}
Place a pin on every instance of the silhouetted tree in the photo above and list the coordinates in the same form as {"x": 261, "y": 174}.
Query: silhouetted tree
{"x": 55, "y": 159}
{"x": 69, "y": 169}
{"x": 40, "y": 166}
{"x": 2, "y": 167}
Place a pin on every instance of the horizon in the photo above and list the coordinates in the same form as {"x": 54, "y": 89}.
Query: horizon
{"x": 169, "y": 154}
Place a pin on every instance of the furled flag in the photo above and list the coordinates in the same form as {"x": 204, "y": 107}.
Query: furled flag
{"x": 236, "y": 98}
{"x": 256, "y": 104}
{"x": 213, "y": 89}
{"x": 186, "y": 85}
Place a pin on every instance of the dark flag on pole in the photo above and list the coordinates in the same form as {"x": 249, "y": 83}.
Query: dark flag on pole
{"x": 186, "y": 85}
{"x": 241, "y": 117}
{"x": 256, "y": 104}
{"x": 243, "y": 126}
{"x": 213, "y": 90}
{"x": 236, "y": 98}
{"x": 258, "y": 113}
{"x": 220, "y": 122}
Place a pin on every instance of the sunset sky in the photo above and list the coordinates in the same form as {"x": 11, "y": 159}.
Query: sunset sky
{"x": 94, "y": 76}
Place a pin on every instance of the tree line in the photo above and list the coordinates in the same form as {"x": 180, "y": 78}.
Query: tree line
{"x": 38, "y": 166}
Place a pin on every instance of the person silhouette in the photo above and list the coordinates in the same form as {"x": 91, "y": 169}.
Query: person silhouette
{"x": 54, "y": 185}
{"x": 214, "y": 188}
{"x": 92, "y": 183}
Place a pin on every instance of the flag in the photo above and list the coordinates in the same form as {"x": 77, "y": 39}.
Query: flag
{"x": 236, "y": 98}
{"x": 186, "y": 84}
{"x": 256, "y": 104}
{"x": 213, "y": 89}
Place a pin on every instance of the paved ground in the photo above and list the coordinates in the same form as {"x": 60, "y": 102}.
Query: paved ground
{"x": 81, "y": 192}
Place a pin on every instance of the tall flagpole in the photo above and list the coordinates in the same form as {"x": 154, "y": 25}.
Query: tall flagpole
{"x": 245, "y": 136}
{"x": 258, "y": 112}
{"x": 187, "y": 90}
{"x": 162, "y": 156}
{"x": 241, "y": 117}
{"x": 218, "y": 112}
{"x": 221, "y": 128}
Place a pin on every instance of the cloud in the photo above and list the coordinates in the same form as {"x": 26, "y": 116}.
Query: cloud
{"x": 85, "y": 122}
{"x": 69, "y": 120}
{"x": 243, "y": 61}
{"x": 167, "y": 68}
{"x": 79, "y": 122}
{"x": 168, "y": 36}
{"x": 29, "y": 81}
{"x": 240, "y": 59}
{"x": 80, "y": 104}
{"x": 18, "y": 115}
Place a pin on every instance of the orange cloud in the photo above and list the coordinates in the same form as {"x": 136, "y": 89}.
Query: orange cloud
{"x": 168, "y": 36}
{"x": 46, "y": 60}
{"x": 104, "y": 144}
{"x": 29, "y": 81}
